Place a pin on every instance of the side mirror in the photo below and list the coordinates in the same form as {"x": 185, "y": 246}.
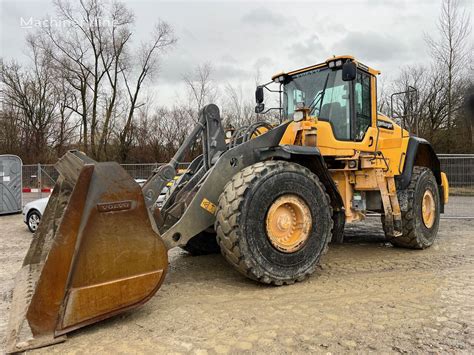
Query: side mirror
{"x": 349, "y": 71}
{"x": 259, "y": 94}
{"x": 259, "y": 108}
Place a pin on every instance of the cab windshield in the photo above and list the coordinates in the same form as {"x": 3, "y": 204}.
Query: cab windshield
{"x": 326, "y": 95}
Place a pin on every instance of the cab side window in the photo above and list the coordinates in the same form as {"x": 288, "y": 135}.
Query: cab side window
{"x": 363, "y": 116}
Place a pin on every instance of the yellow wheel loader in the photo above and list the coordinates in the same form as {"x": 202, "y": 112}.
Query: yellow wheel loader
{"x": 270, "y": 197}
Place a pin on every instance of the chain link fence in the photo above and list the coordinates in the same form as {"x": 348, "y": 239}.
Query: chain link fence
{"x": 40, "y": 178}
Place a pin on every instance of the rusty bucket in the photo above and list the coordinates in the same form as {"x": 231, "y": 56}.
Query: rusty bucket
{"x": 96, "y": 253}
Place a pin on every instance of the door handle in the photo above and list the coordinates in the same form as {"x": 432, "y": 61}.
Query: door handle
{"x": 371, "y": 141}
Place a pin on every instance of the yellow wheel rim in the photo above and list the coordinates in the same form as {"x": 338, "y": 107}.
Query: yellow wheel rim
{"x": 428, "y": 209}
{"x": 288, "y": 223}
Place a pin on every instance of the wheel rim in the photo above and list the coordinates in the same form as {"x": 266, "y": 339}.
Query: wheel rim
{"x": 288, "y": 223}
{"x": 428, "y": 209}
{"x": 33, "y": 222}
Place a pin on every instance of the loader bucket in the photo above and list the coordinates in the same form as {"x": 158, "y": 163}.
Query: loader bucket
{"x": 96, "y": 253}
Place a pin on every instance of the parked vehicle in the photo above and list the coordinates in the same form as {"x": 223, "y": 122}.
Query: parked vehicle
{"x": 33, "y": 211}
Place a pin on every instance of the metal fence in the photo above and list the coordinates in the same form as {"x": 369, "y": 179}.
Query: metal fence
{"x": 460, "y": 170}
{"x": 140, "y": 171}
{"x": 458, "y": 167}
{"x": 39, "y": 179}
{"x": 39, "y": 176}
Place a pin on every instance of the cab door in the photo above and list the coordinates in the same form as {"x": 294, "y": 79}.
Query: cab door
{"x": 363, "y": 113}
{"x": 347, "y": 115}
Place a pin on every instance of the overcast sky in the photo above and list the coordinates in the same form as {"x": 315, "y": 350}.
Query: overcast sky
{"x": 240, "y": 38}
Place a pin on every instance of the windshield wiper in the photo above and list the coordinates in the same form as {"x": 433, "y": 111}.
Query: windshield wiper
{"x": 319, "y": 97}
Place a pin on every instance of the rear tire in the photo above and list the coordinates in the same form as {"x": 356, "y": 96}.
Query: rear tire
{"x": 242, "y": 222}
{"x": 202, "y": 244}
{"x": 419, "y": 232}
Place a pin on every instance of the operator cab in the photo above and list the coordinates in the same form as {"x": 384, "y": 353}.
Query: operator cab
{"x": 337, "y": 91}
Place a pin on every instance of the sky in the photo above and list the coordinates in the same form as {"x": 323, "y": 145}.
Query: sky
{"x": 244, "y": 40}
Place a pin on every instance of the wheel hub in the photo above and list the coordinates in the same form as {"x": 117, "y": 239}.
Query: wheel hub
{"x": 284, "y": 222}
{"x": 428, "y": 209}
{"x": 288, "y": 223}
{"x": 34, "y": 221}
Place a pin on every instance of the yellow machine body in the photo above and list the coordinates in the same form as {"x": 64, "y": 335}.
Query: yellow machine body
{"x": 381, "y": 153}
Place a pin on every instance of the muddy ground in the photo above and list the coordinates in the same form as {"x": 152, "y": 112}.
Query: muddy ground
{"x": 367, "y": 296}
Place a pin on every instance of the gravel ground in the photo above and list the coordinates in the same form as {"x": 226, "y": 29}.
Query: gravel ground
{"x": 367, "y": 296}
{"x": 459, "y": 206}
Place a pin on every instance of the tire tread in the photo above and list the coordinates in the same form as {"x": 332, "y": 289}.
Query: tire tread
{"x": 227, "y": 221}
{"x": 409, "y": 238}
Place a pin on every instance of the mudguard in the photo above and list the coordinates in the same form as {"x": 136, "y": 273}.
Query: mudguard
{"x": 421, "y": 153}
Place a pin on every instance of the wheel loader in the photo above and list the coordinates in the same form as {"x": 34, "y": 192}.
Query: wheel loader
{"x": 269, "y": 196}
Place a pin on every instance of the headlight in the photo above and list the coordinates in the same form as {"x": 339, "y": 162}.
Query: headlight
{"x": 280, "y": 79}
{"x": 335, "y": 63}
{"x": 298, "y": 116}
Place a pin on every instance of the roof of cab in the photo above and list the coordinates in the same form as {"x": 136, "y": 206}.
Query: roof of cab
{"x": 330, "y": 59}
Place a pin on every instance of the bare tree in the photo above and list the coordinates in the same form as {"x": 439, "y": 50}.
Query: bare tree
{"x": 451, "y": 54}
{"x": 148, "y": 61}
{"x": 466, "y": 120}
{"x": 32, "y": 93}
{"x": 200, "y": 87}
{"x": 89, "y": 30}
{"x": 65, "y": 125}
{"x": 11, "y": 128}
{"x": 238, "y": 110}
{"x": 119, "y": 36}
{"x": 95, "y": 57}
{"x": 68, "y": 55}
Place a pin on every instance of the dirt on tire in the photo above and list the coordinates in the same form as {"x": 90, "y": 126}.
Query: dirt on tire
{"x": 415, "y": 235}
{"x": 240, "y": 226}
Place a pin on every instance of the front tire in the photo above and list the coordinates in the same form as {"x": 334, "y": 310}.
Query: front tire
{"x": 32, "y": 220}
{"x": 420, "y": 220}
{"x": 274, "y": 222}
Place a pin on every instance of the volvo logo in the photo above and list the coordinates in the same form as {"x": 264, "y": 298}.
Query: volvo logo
{"x": 114, "y": 206}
